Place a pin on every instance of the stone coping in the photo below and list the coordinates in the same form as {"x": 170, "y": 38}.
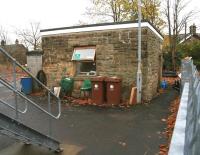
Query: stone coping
{"x": 178, "y": 137}
{"x": 99, "y": 27}
{"x": 34, "y": 53}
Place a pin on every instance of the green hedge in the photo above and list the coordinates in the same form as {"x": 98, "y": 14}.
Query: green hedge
{"x": 191, "y": 49}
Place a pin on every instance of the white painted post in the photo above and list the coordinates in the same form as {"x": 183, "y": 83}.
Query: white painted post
{"x": 139, "y": 72}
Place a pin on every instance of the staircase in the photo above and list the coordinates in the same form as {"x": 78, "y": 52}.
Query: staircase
{"x": 17, "y": 130}
{"x": 12, "y": 127}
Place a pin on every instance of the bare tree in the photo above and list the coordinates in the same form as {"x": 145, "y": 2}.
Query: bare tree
{"x": 176, "y": 20}
{"x": 3, "y": 34}
{"x": 30, "y": 37}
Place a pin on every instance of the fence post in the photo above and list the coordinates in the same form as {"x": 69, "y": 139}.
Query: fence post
{"x": 15, "y": 86}
{"x": 49, "y": 109}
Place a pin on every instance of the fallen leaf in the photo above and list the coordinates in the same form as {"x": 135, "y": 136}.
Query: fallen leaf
{"x": 164, "y": 120}
{"x": 122, "y": 143}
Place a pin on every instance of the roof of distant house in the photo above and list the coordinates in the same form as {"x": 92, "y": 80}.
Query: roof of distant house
{"x": 193, "y": 34}
{"x": 11, "y": 48}
{"x": 100, "y": 27}
{"x": 183, "y": 37}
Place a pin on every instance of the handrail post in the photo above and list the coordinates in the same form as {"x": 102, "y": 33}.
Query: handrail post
{"x": 17, "y": 92}
{"x": 15, "y": 87}
{"x": 49, "y": 109}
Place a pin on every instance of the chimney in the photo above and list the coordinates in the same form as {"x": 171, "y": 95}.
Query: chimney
{"x": 16, "y": 41}
{"x": 3, "y": 43}
{"x": 185, "y": 30}
{"x": 193, "y": 29}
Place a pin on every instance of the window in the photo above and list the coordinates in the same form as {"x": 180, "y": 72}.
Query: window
{"x": 85, "y": 60}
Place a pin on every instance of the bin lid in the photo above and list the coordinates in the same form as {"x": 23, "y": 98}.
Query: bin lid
{"x": 113, "y": 79}
{"x": 98, "y": 78}
{"x": 26, "y": 77}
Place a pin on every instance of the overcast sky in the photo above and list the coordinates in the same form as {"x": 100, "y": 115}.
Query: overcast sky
{"x": 50, "y": 13}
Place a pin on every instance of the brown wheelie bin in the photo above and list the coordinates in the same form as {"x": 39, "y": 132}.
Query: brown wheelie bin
{"x": 113, "y": 90}
{"x": 98, "y": 90}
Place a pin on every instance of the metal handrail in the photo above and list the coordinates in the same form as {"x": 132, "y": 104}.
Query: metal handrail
{"x": 23, "y": 96}
{"x": 19, "y": 65}
{"x": 12, "y": 107}
{"x": 9, "y": 86}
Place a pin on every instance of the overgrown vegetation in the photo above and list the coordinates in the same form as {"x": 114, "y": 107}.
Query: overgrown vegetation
{"x": 167, "y": 57}
{"x": 125, "y": 10}
{"x": 191, "y": 49}
{"x": 177, "y": 17}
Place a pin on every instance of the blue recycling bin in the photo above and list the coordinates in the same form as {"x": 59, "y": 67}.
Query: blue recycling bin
{"x": 27, "y": 84}
{"x": 164, "y": 84}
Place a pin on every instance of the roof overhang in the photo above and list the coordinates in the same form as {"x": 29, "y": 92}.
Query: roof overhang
{"x": 96, "y": 27}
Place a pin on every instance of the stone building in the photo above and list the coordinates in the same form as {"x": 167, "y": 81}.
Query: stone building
{"x": 18, "y": 51}
{"x": 104, "y": 49}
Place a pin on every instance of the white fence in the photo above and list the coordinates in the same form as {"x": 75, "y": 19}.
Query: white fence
{"x": 186, "y": 135}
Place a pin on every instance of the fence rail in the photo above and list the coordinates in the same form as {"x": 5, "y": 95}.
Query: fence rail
{"x": 13, "y": 87}
{"x": 186, "y": 135}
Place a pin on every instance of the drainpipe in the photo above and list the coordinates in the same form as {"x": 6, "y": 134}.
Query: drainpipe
{"x": 139, "y": 72}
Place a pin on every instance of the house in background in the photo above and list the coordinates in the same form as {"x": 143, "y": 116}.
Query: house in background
{"x": 17, "y": 51}
{"x": 191, "y": 36}
{"x": 184, "y": 38}
{"x": 108, "y": 49}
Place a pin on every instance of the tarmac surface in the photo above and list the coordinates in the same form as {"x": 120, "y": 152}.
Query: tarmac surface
{"x": 89, "y": 130}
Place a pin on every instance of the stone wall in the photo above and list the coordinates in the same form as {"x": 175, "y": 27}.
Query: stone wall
{"x": 18, "y": 51}
{"x": 116, "y": 55}
{"x": 153, "y": 67}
